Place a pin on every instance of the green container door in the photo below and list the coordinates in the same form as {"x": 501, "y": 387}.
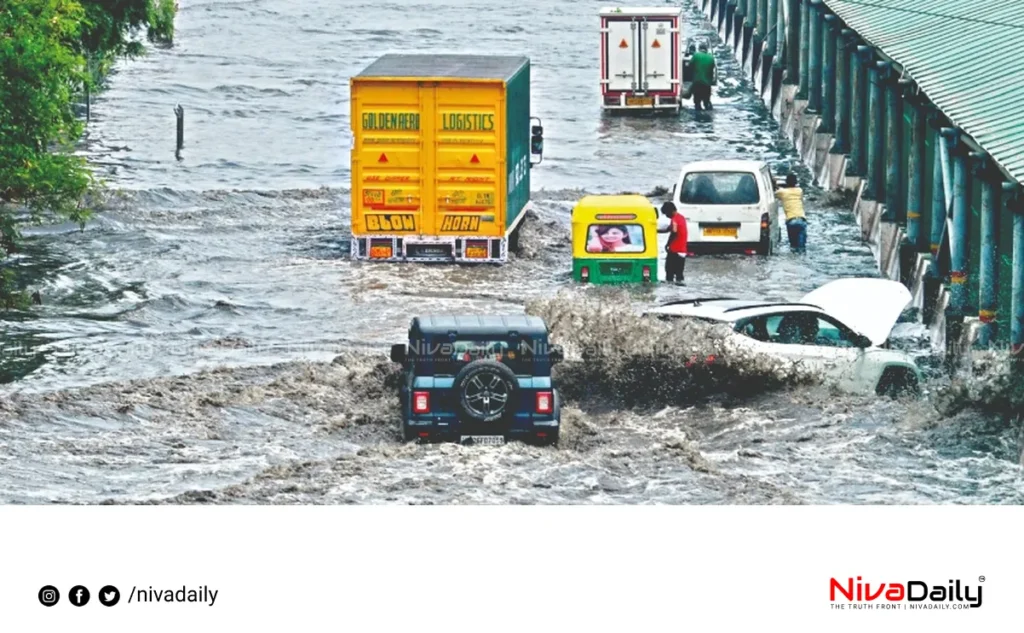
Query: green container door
{"x": 517, "y": 145}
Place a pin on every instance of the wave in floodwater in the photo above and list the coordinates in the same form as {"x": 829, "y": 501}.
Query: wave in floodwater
{"x": 304, "y": 432}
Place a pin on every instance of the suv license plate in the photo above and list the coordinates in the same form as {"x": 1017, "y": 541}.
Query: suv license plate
{"x": 483, "y": 440}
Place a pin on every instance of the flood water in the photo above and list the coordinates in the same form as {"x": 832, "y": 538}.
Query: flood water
{"x": 235, "y": 259}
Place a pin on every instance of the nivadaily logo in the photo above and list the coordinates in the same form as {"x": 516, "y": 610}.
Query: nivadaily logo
{"x": 914, "y": 594}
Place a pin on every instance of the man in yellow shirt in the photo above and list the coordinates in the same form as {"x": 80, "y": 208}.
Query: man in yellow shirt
{"x": 792, "y": 198}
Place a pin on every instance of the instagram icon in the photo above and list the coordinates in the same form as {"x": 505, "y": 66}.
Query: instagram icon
{"x": 49, "y": 596}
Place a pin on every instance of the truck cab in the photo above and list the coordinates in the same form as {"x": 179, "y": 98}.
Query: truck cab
{"x": 478, "y": 379}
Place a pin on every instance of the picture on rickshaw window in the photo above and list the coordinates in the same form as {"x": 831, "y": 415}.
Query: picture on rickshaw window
{"x": 615, "y": 238}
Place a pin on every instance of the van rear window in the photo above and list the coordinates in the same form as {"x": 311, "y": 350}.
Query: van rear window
{"x": 615, "y": 238}
{"x": 720, "y": 187}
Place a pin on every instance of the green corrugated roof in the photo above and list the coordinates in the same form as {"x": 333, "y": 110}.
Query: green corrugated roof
{"x": 967, "y": 56}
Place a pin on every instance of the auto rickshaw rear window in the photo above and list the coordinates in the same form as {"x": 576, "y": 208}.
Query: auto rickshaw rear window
{"x": 615, "y": 238}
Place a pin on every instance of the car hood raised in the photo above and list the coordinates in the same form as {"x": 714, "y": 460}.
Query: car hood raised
{"x": 870, "y": 306}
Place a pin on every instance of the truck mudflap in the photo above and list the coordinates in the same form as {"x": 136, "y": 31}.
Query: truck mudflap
{"x": 622, "y": 101}
{"x": 478, "y": 249}
{"x": 423, "y": 248}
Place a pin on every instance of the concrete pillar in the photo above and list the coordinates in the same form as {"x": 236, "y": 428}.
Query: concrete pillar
{"x": 773, "y": 45}
{"x": 859, "y": 59}
{"x": 814, "y": 64}
{"x": 805, "y": 48}
{"x": 842, "y": 119}
{"x": 751, "y": 13}
{"x": 762, "y": 19}
{"x": 958, "y": 236}
{"x": 916, "y": 171}
{"x": 793, "y": 42}
{"x": 729, "y": 18}
{"x": 778, "y": 49}
{"x": 940, "y": 206}
{"x": 739, "y": 17}
{"x": 894, "y": 205}
{"x": 1017, "y": 289}
{"x": 873, "y": 188}
{"x": 988, "y": 274}
{"x": 830, "y": 36}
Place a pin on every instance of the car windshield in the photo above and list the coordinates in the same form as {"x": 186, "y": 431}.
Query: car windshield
{"x": 719, "y": 187}
{"x": 615, "y": 238}
{"x": 449, "y": 357}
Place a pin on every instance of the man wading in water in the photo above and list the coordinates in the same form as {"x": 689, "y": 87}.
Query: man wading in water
{"x": 704, "y": 71}
{"x": 792, "y": 198}
{"x": 675, "y": 256}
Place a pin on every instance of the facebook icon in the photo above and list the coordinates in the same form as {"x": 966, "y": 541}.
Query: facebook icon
{"x": 79, "y": 596}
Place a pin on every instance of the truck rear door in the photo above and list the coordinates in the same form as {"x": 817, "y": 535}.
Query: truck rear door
{"x": 468, "y": 140}
{"x": 659, "y": 54}
{"x": 622, "y": 56}
{"x": 387, "y": 160}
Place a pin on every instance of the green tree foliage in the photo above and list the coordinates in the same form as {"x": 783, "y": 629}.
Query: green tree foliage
{"x": 44, "y": 45}
{"x": 40, "y": 73}
{"x": 161, "y": 20}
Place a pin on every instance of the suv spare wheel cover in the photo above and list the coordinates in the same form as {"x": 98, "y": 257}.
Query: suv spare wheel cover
{"x": 486, "y": 389}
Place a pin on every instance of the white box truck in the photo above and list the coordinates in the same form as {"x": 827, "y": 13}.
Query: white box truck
{"x": 641, "y": 59}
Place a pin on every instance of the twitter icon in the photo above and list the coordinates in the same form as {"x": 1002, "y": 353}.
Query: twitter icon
{"x": 109, "y": 596}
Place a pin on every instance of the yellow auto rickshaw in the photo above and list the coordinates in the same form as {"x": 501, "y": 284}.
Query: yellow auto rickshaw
{"x": 614, "y": 240}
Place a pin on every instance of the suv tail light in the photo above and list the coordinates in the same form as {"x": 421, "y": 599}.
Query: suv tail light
{"x": 764, "y": 221}
{"x": 421, "y": 402}
{"x": 585, "y": 274}
{"x": 544, "y": 402}
{"x": 647, "y": 273}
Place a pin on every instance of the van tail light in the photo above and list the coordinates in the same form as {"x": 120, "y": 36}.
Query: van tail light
{"x": 585, "y": 273}
{"x": 420, "y": 402}
{"x": 710, "y": 359}
{"x": 764, "y": 221}
{"x": 544, "y": 402}
{"x": 647, "y": 273}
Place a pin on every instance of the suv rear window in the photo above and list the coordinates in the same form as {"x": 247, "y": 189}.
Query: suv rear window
{"x": 720, "y": 187}
{"x": 615, "y": 238}
{"x": 449, "y": 357}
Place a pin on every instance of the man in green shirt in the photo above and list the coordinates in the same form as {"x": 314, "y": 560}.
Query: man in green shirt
{"x": 704, "y": 76}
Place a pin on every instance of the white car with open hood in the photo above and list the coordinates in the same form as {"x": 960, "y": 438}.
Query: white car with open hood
{"x": 839, "y": 330}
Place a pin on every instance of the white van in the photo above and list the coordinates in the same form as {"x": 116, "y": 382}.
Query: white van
{"x": 729, "y": 206}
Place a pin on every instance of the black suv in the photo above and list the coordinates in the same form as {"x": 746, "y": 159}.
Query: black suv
{"x": 479, "y": 379}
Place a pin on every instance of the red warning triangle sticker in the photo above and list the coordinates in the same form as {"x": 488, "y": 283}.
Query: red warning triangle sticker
{"x": 474, "y": 159}
{"x": 383, "y": 158}
{"x": 623, "y": 44}
{"x": 656, "y": 44}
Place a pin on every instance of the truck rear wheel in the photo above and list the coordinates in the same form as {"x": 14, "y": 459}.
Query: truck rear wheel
{"x": 513, "y": 239}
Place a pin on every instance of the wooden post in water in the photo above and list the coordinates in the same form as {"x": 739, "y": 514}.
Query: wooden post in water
{"x": 179, "y": 112}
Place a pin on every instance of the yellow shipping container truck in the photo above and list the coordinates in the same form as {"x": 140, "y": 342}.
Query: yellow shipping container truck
{"x": 443, "y": 146}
